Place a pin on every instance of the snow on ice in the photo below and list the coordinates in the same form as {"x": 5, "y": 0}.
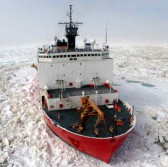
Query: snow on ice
{"x": 140, "y": 75}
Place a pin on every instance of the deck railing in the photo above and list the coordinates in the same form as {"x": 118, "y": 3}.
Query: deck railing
{"x": 68, "y": 50}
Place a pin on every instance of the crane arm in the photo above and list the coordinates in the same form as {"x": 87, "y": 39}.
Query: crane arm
{"x": 86, "y": 101}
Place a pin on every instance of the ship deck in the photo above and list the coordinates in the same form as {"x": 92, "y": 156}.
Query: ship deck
{"x": 88, "y": 90}
{"x": 66, "y": 118}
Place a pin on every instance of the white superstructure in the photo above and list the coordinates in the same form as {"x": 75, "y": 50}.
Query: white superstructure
{"x": 62, "y": 68}
{"x": 75, "y": 69}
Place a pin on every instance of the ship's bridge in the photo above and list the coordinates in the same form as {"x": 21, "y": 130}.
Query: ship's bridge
{"x": 78, "y": 54}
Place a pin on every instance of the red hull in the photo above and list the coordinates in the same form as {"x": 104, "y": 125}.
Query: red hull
{"x": 100, "y": 148}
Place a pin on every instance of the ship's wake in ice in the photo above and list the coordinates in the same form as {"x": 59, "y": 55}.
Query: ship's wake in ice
{"x": 140, "y": 75}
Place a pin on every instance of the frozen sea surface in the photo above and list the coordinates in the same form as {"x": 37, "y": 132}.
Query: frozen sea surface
{"x": 140, "y": 75}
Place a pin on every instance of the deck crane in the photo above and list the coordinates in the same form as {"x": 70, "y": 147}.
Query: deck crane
{"x": 88, "y": 107}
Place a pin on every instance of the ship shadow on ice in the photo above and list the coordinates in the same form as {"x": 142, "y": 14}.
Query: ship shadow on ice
{"x": 138, "y": 144}
{"x": 147, "y": 138}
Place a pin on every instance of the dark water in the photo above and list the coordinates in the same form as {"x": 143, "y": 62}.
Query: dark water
{"x": 116, "y": 84}
{"x": 147, "y": 85}
{"x": 143, "y": 83}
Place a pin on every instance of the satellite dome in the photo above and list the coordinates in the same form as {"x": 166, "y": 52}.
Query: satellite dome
{"x": 93, "y": 41}
{"x": 54, "y": 41}
{"x": 84, "y": 40}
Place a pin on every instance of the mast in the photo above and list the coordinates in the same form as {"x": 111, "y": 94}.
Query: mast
{"x": 71, "y": 29}
{"x": 106, "y": 34}
{"x": 70, "y": 13}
